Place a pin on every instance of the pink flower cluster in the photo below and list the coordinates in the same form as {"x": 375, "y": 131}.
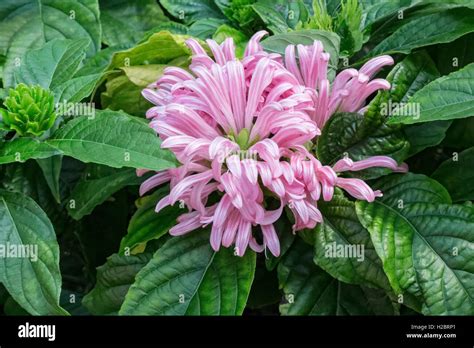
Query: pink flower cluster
{"x": 241, "y": 130}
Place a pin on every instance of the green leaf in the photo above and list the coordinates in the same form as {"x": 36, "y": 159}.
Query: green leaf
{"x": 311, "y": 291}
{"x": 98, "y": 63}
{"x": 53, "y": 67}
{"x": 124, "y": 90}
{"x": 280, "y": 16}
{"x": 125, "y": 22}
{"x": 52, "y": 64}
{"x": 375, "y": 10}
{"x": 159, "y": 48}
{"x": 131, "y": 143}
{"x": 278, "y": 43}
{"x": 146, "y": 224}
{"x": 425, "y": 243}
{"x": 143, "y": 75}
{"x": 89, "y": 193}
{"x": 446, "y": 98}
{"x": 29, "y": 24}
{"x": 455, "y": 55}
{"x": 459, "y": 135}
{"x": 455, "y": 173}
{"x": 51, "y": 168}
{"x": 22, "y": 149}
{"x": 401, "y": 189}
{"x": 205, "y": 28}
{"x": 360, "y": 137}
{"x": 406, "y": 78}
{"x": 114, "y": 278}
{"x": 454, "y": 23}
{"x": 33, "y": 280}
{"x": 122, "y": 94}
{"x": 77, "y": 88}
{"x": 186, "y": 276}
{"x": 341, "y": 230}
{"x": 192, "y": 10}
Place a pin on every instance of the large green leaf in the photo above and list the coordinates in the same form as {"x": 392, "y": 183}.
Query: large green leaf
{"x": 31, "y": 275}
{"x": 330, "y": 40}
{"x": 114, "y": 278}
{"x": 205, "y": 28}
{"x": 124, "y": 22}
{"x": 159, "y": 48}
{"x": 192, "y": 10}
{"x": 124, "y": 90}
{"x": 51, "y": 168}
{"x": 454, "y": 23}
{"x": 311, "y": 291}
{"x": 360, "y": 137}
{"x": 122, "y": 94}
{"x": 402, "y": 189}
{"x": 112, "y": 138}
{"x": 28, "y": 24}
{"x": 146, "y": 224}
{"x": 280, "y": 16}
{"x": 446, "y": 98}
{"x": 459, "y": 134}
{"x": 187, "y": 277}
{"x": 455, "y": 55}
{"x": 341, "y": 230}
{"x": 425, "y": 243}
{"x": 22, "y": 149}
{"x": 375, "y": 10}
{"x": 54, "y": 65}
{"x": 406, "y": 78}
{"x": 91, "y": 192}
{"x": 455, "y": 174}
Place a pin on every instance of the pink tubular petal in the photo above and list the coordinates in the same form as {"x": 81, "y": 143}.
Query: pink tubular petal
{"x": 222, "y": 210}
{"x": 195, "y": 47}
{"x": 357, "y": 189}
{"x": 234, "y": 165}
{"x": 187, "y": 183}
{"x": 186, "y": 223}
{"x": 154, "y": 181}
{"x": 251, "y": 171}
{"x": 374, "y": 65}
{"x": 270, "y": 239}
{"x": 255, "y": 246}
{"x": 216, "y": 237}
{"x": 375, "y": 161}
{"x": 141, "y": 172}
{"x": 231, "y": 227}
{"x": 254, "y": 46}
{"x": 261, "y": 78}
{"x": 243, "y": 237}
{"x": 164, "y": 202}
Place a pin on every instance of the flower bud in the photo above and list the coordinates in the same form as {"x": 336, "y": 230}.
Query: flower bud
{"x": 29, "y": 110}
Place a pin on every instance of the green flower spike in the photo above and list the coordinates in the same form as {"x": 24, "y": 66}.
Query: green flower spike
{"x": 29, "y": 110}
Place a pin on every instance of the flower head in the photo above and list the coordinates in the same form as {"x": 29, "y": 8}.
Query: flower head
{"x": 232, "y": 124}
{"x": 29, "y": 110}
{"x": 349, "y": 89}
{"x": 240, "y": 129}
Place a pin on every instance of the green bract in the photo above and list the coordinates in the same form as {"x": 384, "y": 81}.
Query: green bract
{"x": 29, "y": 110}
